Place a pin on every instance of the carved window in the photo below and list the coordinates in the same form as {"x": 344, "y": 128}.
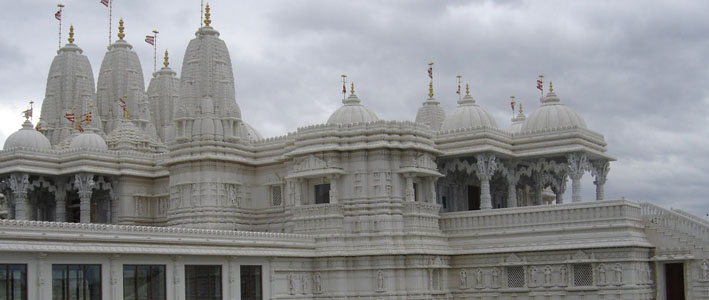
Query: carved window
{"x": 583, "y": 275}
{"x": 203, "y": 282}
{"x": 76, "y": 282}
{"x": 515, "y": 277}
{"x": 416, "y": 192}
{"x": 251, "y": 283}
{"x": 13, "y": 282}
{"x": 144, "y": 282}
{"x": 322, "y": 193}
{"x": 276, "y": 195}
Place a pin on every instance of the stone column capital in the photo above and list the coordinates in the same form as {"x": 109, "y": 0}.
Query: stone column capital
{"x": 486, "y": 165}
{"x": 577, "y": 164}
{"x": 19, "y": 184}
{"x": 84, "y": 184}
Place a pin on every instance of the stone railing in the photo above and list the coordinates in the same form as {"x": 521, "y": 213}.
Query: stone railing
{"x": 318, "y": 218}
{"x": 421, "y": 216}
{"x": 678, "y": 221}
{"x": 585, "y": 214}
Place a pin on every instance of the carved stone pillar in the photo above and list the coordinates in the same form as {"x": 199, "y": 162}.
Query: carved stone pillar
{"x": 333, "y": 189}
{"x": 41, "y": 281}
{"x": 84, "y": 184}
{"x": 486, "y": 167}
{"x": 538, "y": 189}
{"x": 600, "y": 170}
{"x": 577, "y": 164}
{"x": 297, "y": 184}
{"x": 176, "y": 282}
{"x": 409, "y": 188}
{"x": 19, "y": 183}
{"x": 60, "y": 199}
{"x": 113, "y": 270}
{"x": 432, "y": 189}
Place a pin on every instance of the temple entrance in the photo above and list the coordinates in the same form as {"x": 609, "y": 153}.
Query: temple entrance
{"x": 674, "y": 281}
{"x": 473, "y": 197}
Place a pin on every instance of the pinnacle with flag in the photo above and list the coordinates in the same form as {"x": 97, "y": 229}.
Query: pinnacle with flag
{"x": 58, "y": 15}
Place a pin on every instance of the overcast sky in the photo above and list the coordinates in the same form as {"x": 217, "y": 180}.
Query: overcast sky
{"x": 636, "y": 71}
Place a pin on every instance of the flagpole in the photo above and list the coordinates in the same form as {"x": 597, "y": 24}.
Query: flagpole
{"x": 155, "y": 51}
{"x": 110, "y": 15}
{"x": 344, "y": 86}
{"x": 541, "y": 79}
{"x": 201, "y": 12}
{"x": 459, "y": 81}
{"x": 60, "y": 24}
{"x": 430, "y": 85}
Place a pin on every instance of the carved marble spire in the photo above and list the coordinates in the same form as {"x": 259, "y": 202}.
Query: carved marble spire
{"x": 70, "y": 88}
{"x": 163, "y": 95}
{"x": 121, "y": 77}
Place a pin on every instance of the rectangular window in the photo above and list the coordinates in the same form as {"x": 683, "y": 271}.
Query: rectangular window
{"x": 416, "y": 192}
{"x": 276, "y": 195}
{"x": 13, "y": 282}
{"x": 144, "y": 282}
{"x": 322, "y": 193}
{"x": 203, "y": 282}
{"x": 251, "y": 286}
{"x": 473, "y": 197}
{"x": 76, "y": 282}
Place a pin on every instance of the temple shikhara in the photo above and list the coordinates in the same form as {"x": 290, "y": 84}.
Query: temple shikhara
{"x": 123, "y": 192}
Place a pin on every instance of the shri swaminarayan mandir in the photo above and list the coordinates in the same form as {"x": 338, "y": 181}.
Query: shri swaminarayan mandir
{"x": 165, "y": 192}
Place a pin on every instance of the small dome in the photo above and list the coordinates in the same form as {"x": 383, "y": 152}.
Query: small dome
{"x": 27, "y": 137}
{"x": 517, "y": 123}
{"x": 251, "y": 133}
{"x": 352, "y": 112}
{"x": 468, "y": 114}
{"x": 552, "y": 115}
{"x": 88, "y": 140}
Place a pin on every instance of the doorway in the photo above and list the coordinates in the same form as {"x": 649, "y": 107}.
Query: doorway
{"x": 473, "y": 197}
{"x": 674, "y": 281}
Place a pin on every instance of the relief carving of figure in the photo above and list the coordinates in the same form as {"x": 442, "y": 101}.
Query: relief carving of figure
{"x": 532, "y": 277}
{"x": 495, "y": 277}
{"x": 380, "y": 281}
{"x": 705, "y": 269}
{"x": 291, "y": 283}
{"x": 618, "y": 274}
{"x": 463, "y": 279}
{"x": 547, "y": 275}
{"x": 562, "y": 275}
{"x": 479, "y": 278}
{"x": 304, "y": 283}
{"x": 601, "y": 274}
{"x": 317, "y": 287}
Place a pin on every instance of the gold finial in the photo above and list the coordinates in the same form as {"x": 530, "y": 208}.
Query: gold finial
{"x": 89, "y": 115}
{"x": 71, "y": 34}
{"x": 551, "y": 87}
{"x": 352, "y": 92}
{"x": 165, "y": 61}
{"x": 207, "y": 21}
{"x": 467, "y": 89}
{"x": 121, "y": 35}
{"x": 60, "y": 5}
{"x": 520, "y": 108}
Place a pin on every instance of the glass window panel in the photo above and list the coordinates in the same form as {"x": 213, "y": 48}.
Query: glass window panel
{"x": 76, "y": 280}
{"x": 18, "y": 281}
{"x": 3, "y": 282}
{"x": 129, "y": 283}
{"x": 93, "y": 282}
{"x": 251, "y": 286}
{"x": 203, "y": 282}
{"x": 58, "y": 282}
{"x": 157, "y": 282}
{"x": 142, "y": 282}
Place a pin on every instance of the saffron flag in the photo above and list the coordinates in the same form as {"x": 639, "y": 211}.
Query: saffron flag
{"x": 150, "y": 39}
{"x": 458, "y": 91}
{"x": 38, "y": 127}
{"x": 430, "y": 72}
{"x": 540, "y": 85}
{"x": 344, "y": 89}
{"x": 105, "y": 2}
{"x": 70, "y": 117}
{"x": 512, "y": 104}
{"x": 58, "y": 15}
{"x": 27, "y": 113}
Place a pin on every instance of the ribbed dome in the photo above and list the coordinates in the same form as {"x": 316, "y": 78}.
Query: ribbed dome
{"x": 27, "y": 137}
{"x": 431, "y": 114}
{"x": 468, "y": 114}
{"x": 128, "y": 137}
{"x": 352, "y": 112}
{"x": 163, "y": 94}
{"x": 251, "y": 133}
{"x": 88, "y": 140}
{"x": 552, "y": 115}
